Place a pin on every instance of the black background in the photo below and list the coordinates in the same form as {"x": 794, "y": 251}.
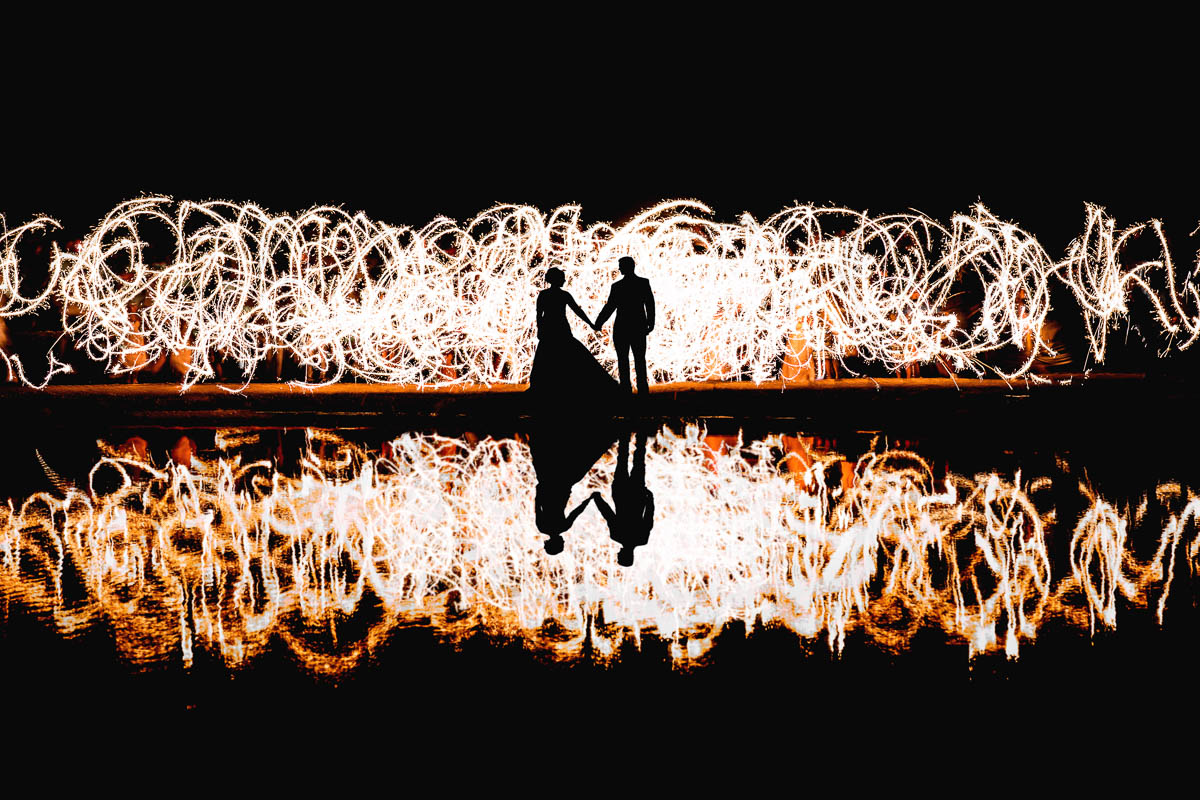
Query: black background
{"x": 410, "y": 115}
{"x": 415, "y": 114}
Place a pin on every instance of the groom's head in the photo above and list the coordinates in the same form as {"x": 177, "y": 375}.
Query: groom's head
{"x": 626, "y": 265}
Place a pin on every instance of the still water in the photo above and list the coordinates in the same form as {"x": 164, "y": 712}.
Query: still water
{"x": 189, "y": 566}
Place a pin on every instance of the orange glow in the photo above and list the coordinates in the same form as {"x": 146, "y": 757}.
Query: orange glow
{"x": 344, "y": 295}
{"x": 224, "y": 554}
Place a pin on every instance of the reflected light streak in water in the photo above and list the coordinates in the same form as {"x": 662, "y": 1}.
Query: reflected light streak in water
{"x": 225, "y": 554}
{"x": 345, "y": 295}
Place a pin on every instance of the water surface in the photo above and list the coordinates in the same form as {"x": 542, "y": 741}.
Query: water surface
{"x": 195, "y": 566}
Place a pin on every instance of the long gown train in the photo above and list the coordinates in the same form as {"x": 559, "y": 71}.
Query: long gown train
{"x": 563, "y": 367}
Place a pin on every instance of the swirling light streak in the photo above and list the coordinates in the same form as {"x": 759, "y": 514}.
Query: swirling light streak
{"x": 345, "y": 295}
{"x": 15, "y": 304}
{"x": 226, "y": 554}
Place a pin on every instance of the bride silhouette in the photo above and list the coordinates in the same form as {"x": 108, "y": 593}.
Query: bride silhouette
{"x": 563, "y": 368}
{"x": 563, "y": 454}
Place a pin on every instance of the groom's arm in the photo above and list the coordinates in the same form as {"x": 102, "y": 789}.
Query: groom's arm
{"x": 607, "y": 311}
{"x": 649, "y": 301}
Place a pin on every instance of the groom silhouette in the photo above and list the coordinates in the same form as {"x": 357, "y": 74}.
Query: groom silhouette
{"x": 630, "y": 523}
{"x": 633, "y": 302}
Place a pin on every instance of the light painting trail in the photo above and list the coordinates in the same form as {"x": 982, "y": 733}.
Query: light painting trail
{"x": 226, "y": 554}
{"x": 347, "y": 296}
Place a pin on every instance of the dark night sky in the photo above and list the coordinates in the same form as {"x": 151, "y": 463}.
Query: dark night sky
{"x": 409, "y": 119}
{"x": 405, "y": 117}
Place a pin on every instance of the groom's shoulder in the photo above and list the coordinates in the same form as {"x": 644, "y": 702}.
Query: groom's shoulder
{"x": 631, "y": 283}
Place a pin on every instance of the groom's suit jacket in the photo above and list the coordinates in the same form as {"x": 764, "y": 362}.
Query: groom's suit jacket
{"x": 633, "y": 303}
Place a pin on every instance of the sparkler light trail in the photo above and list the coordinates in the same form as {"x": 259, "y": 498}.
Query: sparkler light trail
{"x": 344, "y": 295}
{"x": 226, "y": 553}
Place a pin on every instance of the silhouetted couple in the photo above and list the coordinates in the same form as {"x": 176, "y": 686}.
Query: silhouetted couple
{"x": 563, "y": 366}
{"x": 562, "y": 458}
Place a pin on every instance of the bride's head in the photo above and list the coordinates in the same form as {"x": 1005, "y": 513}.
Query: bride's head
{"x": 555, "y": 277}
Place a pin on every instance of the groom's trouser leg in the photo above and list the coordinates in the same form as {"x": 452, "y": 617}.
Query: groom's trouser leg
{"x": 623, "y": 363}
{"x": 638, "y": 345}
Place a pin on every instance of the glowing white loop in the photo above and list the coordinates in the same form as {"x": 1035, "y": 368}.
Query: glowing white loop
{"x": 443, "y": 529}
{"x": 343, "y": 295}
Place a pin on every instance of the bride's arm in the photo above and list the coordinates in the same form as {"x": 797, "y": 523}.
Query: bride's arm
{"x": 578, "y": 510}
{"x": 575, "y": 307}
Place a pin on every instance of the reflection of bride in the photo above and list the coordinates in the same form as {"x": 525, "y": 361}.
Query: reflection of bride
{"x": 562, "y": 365}
{"x": 563, "y": 453}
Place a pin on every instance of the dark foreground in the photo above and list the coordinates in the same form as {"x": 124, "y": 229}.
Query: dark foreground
{"x": 924, "y": 402}
{"x": 1073, "y": 698}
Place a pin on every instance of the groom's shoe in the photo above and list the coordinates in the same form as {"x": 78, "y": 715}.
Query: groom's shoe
{"x": 627, "y": 406}
{"x": 636, "y": 405}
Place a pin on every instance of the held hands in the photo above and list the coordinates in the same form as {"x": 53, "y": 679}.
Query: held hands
{"x": 599, "y": 328}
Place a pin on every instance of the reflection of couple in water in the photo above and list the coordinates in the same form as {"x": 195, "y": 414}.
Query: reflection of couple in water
{"x": 565, "y": 443}
{"x": 562, "y": 459}
{"x": 563, "y": 366}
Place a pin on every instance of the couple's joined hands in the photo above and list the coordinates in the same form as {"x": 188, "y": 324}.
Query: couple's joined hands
{"x": 599, "y": 328}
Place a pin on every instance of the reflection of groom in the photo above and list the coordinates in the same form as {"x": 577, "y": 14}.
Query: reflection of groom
{"x": 629, "y": 525}
{"x": 633, "y": 302}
